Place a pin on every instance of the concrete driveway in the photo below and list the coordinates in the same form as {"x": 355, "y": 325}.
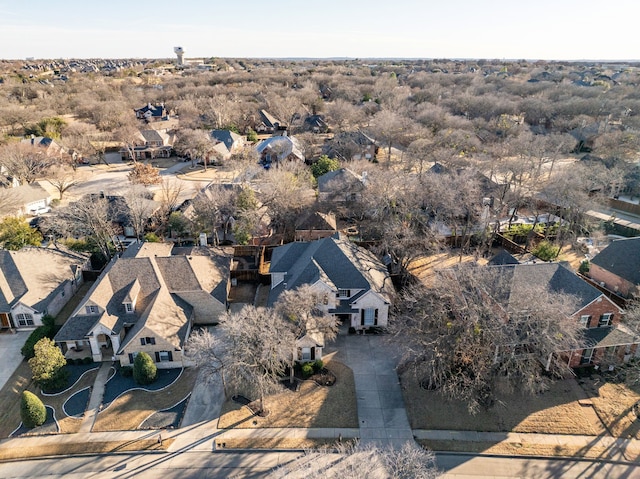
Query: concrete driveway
{"x": 382, "y": 416}
{"x": 10, "y": 345}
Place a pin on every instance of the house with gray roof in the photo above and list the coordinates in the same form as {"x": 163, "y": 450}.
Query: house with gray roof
{"x": 340, "y": 186}
{"x": 232, "y": 141}
{"x": 279, "y": 148}
{"x": 607, "y": 342}
{"x": 355, "y": 286}
{"x": 148, "y": 300}
{"x": 150, "y": 143}
{"x": 269, "y": 123}
{"x": 617, "y": 267}
{"x": 35, "y": 282}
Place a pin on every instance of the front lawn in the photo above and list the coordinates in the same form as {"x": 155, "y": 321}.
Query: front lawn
{"x": 311, "y": 406}
{"x": 614, "y": 404}
{"x": 556, "y": 411}
{"x": 132, "y": 408}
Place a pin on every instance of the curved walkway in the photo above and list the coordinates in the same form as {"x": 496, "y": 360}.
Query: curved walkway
{"x": 95, "y": 401}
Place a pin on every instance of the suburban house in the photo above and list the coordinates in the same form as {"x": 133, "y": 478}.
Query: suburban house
{"x": 231, "y": 140}
{"x": 35, "y": 282}
{"x": 315, "y": 124}
{"x": 355, "y": 286}
{"x": 340, "y": 186}
{"x": 150, "y": 144}
{"x": 606, "y": 341}
{"x": 279, "y": 148}
{"x": 617, "y": 267}
{"x": 351, "y": 145}
{"x": 48, "y": 145}
{"x": 148, "y": 300}
{"x": 28, "y": 199}
{"x": 315, "y": 226}
{"x": 151, "y": 112}
{"x": 269, "y": 124}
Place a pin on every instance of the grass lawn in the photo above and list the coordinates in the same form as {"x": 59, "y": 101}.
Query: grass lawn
{"x": 63, "y": 449}
{"x": 614, "y": 404}
{"x": 69, "y": 425}
{"x": 554, "y": 412}
{"x": 311, "y": 406}
{"x": 130, "y": 409}
{"x": 274, "y": 443}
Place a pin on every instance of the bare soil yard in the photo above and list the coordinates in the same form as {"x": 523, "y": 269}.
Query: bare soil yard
{"x": 311, "y": 406}
{"x": 614, "y": 403}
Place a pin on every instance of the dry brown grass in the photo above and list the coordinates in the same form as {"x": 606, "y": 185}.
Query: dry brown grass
{"x": 424, "y": 268}
{"x": 10, "y": 398}
{"x": 128, "y": 411}
{"x": 554, "y": 412}
{"x": 614, "y": 405}
{"x": 64, "y": 449}
{"x": 311, "y": 406}
{"x": 572, "y": 255}
{"x": 523, "y": 449}
{"x": 273, "y": 443}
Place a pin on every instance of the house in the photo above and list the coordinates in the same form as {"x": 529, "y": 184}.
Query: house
{"x": 269, "y": 124}
{"x": 231, "y": 140}
{"x": 48, "y": 145}
{"x": 148, "y": 300}
{"x": 340, "y": 186}
{"x": 150, "y": 144}
{"x": 35, "y": 282}
{"x": 315, "y": 124}
{"x": 151, "y": 112}
{"x": 617, "y": 267}
{"x": 606, "y": 341}
{"x": 351, "y": 145}
{"x": 279, "y": 148}
{"x": 355, "y": 286}
{"x": 29, "y": 199}
{"x": 315, "y": 226}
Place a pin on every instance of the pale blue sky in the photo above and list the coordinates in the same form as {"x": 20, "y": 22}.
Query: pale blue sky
{"x": 513, "y": 29}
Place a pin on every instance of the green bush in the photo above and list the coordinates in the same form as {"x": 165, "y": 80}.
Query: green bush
{"x": 307, "y": 370}
{"x": 48, "y": 365}
{"x": 546, "y": 251}
{"x": 32, "y": 411}
{"x": 144, "y": 369}
{"x": 584, "y": 267}
{"x": 47, "y": 330}
{"x": 318, "y": 365}
{"x": 152, "y": 238}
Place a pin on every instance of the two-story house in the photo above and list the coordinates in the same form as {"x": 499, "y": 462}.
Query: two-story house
{"x": 617, "y": 267}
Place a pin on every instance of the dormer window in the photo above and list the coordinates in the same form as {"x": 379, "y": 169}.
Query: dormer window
{"x": 128, "y": 307}
{"x": 344, "y": 293}
{"x": 91, "y": 309}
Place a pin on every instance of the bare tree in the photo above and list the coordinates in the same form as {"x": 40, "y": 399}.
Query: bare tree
{"x": 62, "y": 177}
{"x": 209, "y": 352}
{"x": 144, "y": 174}
{"x": 471, "y": 331}
{"x": 140, "y": 207}
{"x": 25, "y": 162}
{"x": 352, "y": 460}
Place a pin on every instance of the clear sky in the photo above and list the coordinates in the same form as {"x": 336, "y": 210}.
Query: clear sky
{"x": 490, "y": 29}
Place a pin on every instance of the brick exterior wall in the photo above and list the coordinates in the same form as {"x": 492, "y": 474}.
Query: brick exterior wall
{"x": 596, "y": 309}
{"x": 611, "y": 281}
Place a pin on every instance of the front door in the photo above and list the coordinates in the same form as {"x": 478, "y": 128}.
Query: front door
{"x": 4, "y": 321}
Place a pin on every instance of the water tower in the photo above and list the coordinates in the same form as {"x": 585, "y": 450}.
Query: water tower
{"x": 179, "y": 51}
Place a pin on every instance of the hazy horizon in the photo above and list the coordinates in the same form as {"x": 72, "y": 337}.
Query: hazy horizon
{"x": 570, "y": 30}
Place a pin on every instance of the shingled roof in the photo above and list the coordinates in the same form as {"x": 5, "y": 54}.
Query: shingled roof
{"x": 622, "y": 258}
{"x": 335, "y": 261}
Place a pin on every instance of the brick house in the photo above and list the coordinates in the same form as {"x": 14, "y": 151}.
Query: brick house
{"x": 148, "y": 300}
{"x": 617, "y": 267}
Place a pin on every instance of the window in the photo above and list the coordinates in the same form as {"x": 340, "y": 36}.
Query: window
{"x": 147, "y": 340}
{"x": 584, "y": 320}
{"x": 91, "y": 309}
{"x": 163, "y": 356}
{"x": 344, "y": 293}
{"x": 132, "y": 357}
{"x": 369, "y": 317}
{"x": 128, "y": 307}
{"x": 587, "y": 354}
{"x": 306, "y": 354}
{"x": 25, "y": 319}
{"x": 605, "y": 320}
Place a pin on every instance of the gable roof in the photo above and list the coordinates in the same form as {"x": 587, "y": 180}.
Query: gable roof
{"x": 271, "y": 121}
{"x": 338, "y": 180}
{"x": 622, "y": 258}
{"x": 31, "y": 275}
{"x": 317, "y": 221}
{"x": 283, "y": 146}
{"x": 337, "y": 262}
{"x": 169, "y": 291}
{"x": 228, "y": 137}
{"x": 503, "y": 257}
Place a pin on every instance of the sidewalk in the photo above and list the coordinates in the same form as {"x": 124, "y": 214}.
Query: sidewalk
{"x": 95, "y": 401}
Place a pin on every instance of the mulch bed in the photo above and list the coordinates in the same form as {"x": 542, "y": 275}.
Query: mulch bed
{"x": 75, "y": 372}
{"x": 119, "y": 384}
{"x": 76, "y": 405}
{"x": 49, "y": 427}
{"x": 324, "y": 377}
{"x": 167, "y": 419}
